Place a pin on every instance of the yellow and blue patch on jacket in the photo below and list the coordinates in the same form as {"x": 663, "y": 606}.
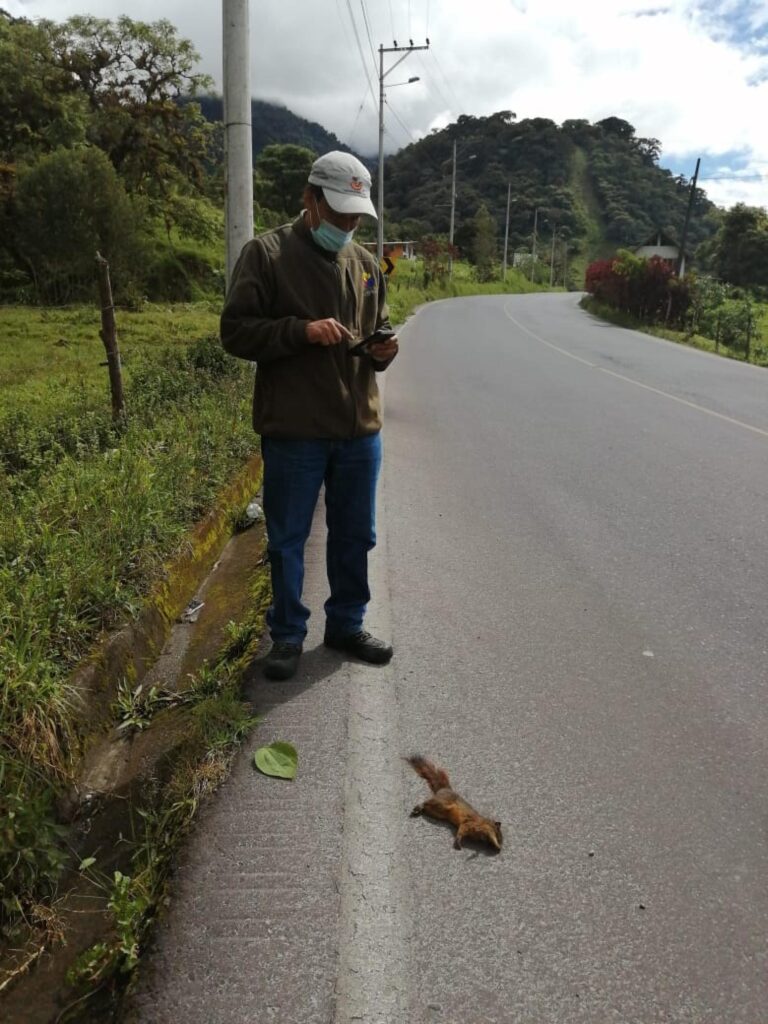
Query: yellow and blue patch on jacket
{"x": 369, "y": 282}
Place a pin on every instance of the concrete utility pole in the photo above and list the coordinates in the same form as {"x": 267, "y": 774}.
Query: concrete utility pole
{"x": 405, "y": 50}
{"x": 238, "y": 152}
{"x": 453, "y": 196}
{"x": 565, "y": 263}
{"x": 552, "y": 258}
{"x": 533, "y": 243}
{"x": 506, "y": 233}
{"x": 453, "y": 212}
{"x": 684, "y": 239}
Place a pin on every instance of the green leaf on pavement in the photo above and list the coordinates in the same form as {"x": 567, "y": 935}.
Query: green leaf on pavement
{"x": 279, "y": 759}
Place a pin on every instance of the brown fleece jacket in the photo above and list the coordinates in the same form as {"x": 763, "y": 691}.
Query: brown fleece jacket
{"x": 283, "y": 280}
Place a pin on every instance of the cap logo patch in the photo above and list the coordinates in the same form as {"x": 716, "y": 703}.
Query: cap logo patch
{"x": 356, "y": 185}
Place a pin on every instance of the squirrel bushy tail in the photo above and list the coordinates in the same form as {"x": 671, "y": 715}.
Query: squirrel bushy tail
{"x": 435, "y": 777}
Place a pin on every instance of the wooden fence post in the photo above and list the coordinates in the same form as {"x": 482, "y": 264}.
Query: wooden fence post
{"x": 108, "y": 335}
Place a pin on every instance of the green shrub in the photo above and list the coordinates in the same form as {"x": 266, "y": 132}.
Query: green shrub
{"x": 181, "y": 274}
{"x": 69, "y": 205}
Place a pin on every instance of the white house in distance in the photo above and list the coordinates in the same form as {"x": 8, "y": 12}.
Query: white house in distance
{"x": 664, "y": 247}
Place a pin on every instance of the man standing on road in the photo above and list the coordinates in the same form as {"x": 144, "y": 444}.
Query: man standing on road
{"x": 300, "y": 298}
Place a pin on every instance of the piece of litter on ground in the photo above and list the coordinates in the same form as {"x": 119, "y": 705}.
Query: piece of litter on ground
{"x": 648, "y": 654}
{"x": 192, "y": 611}
{"x": 254, "y": 511}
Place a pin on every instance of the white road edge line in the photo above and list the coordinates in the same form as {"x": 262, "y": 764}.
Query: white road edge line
{"x": 637, "y": 383}
{"x": 373, "y": 979}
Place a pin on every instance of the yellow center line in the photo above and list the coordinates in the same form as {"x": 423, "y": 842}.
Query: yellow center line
{"x": 637, "y": 383}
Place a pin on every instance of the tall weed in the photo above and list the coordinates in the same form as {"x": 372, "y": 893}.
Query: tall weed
{"x": 89, "y": 512}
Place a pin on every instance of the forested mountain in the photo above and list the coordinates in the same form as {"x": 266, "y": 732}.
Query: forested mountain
{"x": 599, "y": 183}
{"x": 273, "y": 123}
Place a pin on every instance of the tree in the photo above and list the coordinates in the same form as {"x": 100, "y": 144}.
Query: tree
{"x": 617, "y": 126}
{"x": 484, "y": 243}
{"x": 40, "y": 108}
{"x": 740, "y": 253}
{"x": 280, "y": 174}
{"x": 133, "y": 76}
{"x": 68, "y": 205}
{"x": 649, "y": 149}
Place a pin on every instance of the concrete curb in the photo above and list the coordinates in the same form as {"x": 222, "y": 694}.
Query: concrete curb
{"x": 130, "y": 652}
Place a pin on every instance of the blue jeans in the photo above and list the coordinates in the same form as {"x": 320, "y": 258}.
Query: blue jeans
{"x": 294, "y": 472}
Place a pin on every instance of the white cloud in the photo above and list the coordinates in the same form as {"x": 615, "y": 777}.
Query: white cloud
{"x": 692, "y": 73}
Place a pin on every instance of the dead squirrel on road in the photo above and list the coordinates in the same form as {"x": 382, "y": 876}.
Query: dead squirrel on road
{"x": 447, "y": 805}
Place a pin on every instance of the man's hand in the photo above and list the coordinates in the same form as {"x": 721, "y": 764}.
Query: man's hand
{"x": 327, "y": 332}
{"x": 381, "y": 351}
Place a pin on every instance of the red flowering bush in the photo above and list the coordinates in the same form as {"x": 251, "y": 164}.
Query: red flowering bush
{"x": 604, "y": 283}
{"x": 648, "y": 290}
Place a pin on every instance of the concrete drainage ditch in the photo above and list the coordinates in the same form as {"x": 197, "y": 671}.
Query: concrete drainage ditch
{"x": 149, "y": 670}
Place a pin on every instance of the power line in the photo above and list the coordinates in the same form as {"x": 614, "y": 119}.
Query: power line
{"x": 410, "y": 134}
{"x": 351, "y": 133}
{"x": 344, "y": 26}
{"x": 432, "y": 85}
{"x": 459, "y": 105}
{"x": 356, "y": 119}
{"x": 368, "y": 31}
{"x": 734, "y": 177}
{"x": 360, "y": 51}
{"x": 391, "y": 19}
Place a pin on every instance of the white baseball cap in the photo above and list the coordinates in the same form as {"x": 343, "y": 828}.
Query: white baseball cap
{"x": 345, "y": 182}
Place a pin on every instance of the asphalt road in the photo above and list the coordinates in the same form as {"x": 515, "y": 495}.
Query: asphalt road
{"x": 578, "y": 560}
{"x": 573, "y": 566}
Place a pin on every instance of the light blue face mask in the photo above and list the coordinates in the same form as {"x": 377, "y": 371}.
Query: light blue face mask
{"x": 329, "y": 237}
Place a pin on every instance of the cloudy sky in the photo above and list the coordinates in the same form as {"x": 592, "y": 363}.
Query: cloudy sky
{"x": 692, "y": 74}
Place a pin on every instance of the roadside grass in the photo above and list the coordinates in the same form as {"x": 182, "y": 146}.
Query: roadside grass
{"x": 407, "y": 290}
{"x": 760, "y": 343}
{"x": 52, "y": 379}
{"x": 89, "y": 513}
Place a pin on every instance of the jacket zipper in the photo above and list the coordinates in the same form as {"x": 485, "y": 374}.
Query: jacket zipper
{"x": 347, "y": 361}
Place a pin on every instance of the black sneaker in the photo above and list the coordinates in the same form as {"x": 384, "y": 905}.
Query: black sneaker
{"x": 282, "y": 661}
{"x": 362, "y": 645}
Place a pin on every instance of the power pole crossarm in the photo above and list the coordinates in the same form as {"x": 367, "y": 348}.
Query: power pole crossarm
{"x": 238, "y": 153}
